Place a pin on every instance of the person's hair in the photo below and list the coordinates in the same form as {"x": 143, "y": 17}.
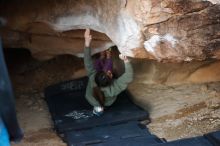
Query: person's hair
{"x": 102, "y": 79}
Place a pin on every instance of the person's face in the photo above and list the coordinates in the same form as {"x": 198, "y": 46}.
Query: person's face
{"x": 109, "y": 74}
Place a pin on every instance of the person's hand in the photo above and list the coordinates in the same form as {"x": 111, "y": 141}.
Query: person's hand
{"x": 124, "y": 58}
{"x": 109, "y": 73}
{"x": 87, "y": 37}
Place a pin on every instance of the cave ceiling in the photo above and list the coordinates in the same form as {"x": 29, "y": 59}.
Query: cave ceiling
{"x": 162, "y": 30}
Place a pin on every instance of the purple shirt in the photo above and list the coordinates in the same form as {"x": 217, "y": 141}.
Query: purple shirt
{"x": 104, "y": 65}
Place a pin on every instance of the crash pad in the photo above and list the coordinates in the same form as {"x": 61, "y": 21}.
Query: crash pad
{"x": 71, "y": 111}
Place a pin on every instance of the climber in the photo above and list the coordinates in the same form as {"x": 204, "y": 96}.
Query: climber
{"x": 102, "y": 89}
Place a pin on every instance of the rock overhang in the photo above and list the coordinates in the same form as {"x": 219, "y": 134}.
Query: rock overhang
{"x": 163, "y": 30}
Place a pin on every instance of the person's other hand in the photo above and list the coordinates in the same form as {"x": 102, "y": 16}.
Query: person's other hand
{"x": 109, "y": 74}
{"x": 87, "y": 37}
{"x": 124, "y": 58}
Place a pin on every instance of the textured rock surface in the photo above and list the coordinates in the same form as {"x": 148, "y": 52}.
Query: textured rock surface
{"x": 164, "y": 30}
{"x": 180, "y": 30}
{"x": 151, "y": 72}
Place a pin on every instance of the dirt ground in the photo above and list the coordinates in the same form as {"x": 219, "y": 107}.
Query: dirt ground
{"x": 182, "y": 111}
{"x": 177, "y": 111}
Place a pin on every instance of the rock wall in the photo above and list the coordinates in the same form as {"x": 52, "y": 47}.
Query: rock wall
{"x": 152, "y": 72}
{"x": 177, "y": 31}
{"x": 163, "y": 30}
{"x": 183, "y": 30}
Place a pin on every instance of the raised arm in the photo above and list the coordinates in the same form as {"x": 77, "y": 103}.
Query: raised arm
{"x": 87, "y": 53}
{"x": 122, "y": 82}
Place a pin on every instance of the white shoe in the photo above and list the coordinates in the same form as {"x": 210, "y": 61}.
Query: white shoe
{"x": 98, "y": 110}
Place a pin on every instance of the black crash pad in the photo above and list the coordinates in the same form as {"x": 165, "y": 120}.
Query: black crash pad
{"x": 66, "y": 87}
{"x": 112, "y": 135}
{"x": 71, "y": 111}
{"x": 135, "y": 141}
{"x": 214, "y": 138}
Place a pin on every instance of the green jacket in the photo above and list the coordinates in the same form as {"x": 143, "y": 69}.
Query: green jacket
{"x": 111, "y": 91}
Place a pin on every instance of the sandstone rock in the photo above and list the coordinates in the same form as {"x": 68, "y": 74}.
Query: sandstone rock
{"x": 163, "y": 30}
{"x": 204, "y": 88}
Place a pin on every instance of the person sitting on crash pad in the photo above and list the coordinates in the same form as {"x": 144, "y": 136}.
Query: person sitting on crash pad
{"x": 102, "y": 89}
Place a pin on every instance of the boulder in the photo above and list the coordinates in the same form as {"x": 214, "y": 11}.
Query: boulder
{"x": 162, "y": 30}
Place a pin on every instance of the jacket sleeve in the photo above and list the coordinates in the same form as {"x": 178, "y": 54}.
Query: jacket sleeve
{"x": 88, "y": 61}
{"x": 122, "y": 82}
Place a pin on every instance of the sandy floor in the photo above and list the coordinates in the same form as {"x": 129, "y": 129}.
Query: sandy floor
{"x": 177, "y": 111}
{"x": 35, "y": 120}
{"x": 183, "y": 111}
